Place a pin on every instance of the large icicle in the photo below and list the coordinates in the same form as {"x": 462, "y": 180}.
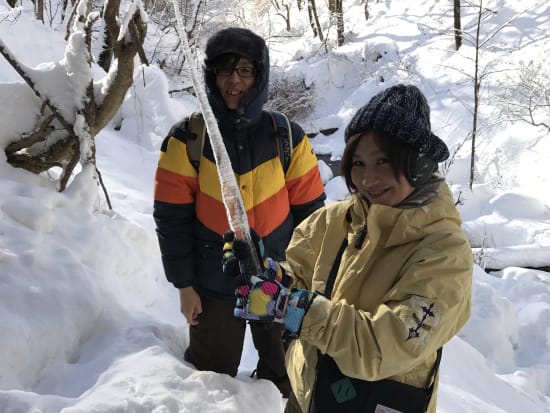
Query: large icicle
{"x": 234, "y": 206}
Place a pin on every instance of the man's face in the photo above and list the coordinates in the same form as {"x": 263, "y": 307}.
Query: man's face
{"x": 234, "y": 82}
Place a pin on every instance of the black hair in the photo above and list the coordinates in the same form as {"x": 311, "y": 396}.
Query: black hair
{"x": 224, "y": 60}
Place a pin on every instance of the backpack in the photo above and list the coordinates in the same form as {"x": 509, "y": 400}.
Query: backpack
{"x": 281, "y": 128}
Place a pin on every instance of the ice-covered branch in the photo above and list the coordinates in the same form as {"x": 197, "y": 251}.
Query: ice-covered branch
{"x": 234, "y": 207}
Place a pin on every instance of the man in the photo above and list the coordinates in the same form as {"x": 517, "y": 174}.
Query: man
{"x": 190, "y": 215}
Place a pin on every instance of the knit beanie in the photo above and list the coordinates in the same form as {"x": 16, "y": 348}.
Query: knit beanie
{"x": 402, "y": 112}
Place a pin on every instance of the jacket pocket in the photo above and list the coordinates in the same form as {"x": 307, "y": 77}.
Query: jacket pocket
{"x": 208, "y": 269}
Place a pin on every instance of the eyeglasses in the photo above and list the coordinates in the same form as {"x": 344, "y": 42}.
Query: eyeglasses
{"x": 244, "y": 72}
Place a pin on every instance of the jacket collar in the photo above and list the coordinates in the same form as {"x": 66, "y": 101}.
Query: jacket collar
{"x": 424, "y": 194}
{"x": 425, "y": 209}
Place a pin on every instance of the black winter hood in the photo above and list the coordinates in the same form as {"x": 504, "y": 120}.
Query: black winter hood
{"x": 245, "y": 43}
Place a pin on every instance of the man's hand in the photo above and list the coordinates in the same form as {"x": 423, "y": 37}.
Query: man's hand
{"x": 190, "y": 305}
{"x": 236, "y": 251}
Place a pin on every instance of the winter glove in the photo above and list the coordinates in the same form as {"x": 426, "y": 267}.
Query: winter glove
{"x": 235, "y": 250}
{"x": 266, "y": 299}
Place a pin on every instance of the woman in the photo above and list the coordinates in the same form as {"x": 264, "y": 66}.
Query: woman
{"x": 387, "y": 272}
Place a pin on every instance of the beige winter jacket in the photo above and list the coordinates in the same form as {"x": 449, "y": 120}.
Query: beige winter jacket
{"x": 374, "y": 326}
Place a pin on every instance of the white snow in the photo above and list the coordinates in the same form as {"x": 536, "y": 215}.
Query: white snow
{"x": 88, "y": 322}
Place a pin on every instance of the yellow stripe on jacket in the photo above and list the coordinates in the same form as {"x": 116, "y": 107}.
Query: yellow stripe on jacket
{"x": 263, "y": 191}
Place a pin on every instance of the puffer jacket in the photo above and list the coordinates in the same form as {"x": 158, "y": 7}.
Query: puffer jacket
{"x": 399, "y": 294}
{"x": 189, "y": 212}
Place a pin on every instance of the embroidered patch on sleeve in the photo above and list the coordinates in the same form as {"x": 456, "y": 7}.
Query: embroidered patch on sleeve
{"x": 421, "y": 317}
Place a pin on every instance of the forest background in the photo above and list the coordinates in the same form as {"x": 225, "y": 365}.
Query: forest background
{"x": 90, "y": 89}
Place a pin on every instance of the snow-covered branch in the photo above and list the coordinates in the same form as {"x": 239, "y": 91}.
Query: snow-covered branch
{"x": 81, "y": 107}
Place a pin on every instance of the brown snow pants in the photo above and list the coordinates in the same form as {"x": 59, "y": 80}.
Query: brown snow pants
{"x": 216, "y": 344}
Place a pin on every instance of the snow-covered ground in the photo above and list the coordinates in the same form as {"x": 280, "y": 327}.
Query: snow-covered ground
{"x": 88, "y": 322}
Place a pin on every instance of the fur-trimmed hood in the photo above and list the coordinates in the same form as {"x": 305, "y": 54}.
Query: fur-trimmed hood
{"x": 247, "y": 44}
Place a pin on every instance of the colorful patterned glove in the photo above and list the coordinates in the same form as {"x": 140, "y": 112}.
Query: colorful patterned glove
{"x": 298, "y": 303}
{"x": 266, "y": 299}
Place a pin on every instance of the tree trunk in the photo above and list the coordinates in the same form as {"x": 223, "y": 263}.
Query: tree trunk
{"x": 39, "y": 10}
{"x": 283, "y": 10}
{"x": 477, "y": 88}
{"x": 458, "y": 28}
{"x": 314, "y": 20}
{"x": 287, "y": 6}
{"x": 337, "y": 19}
{"x": 367, "y": 15}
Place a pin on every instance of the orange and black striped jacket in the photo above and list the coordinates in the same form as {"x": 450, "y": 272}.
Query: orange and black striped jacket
{"x": 189, "y": 211}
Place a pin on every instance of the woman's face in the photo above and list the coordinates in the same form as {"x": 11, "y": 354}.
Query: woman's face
{"x": 372, "y": 174}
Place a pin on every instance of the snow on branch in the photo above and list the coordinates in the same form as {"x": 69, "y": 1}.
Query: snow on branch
{"x": 68, "y": 90}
